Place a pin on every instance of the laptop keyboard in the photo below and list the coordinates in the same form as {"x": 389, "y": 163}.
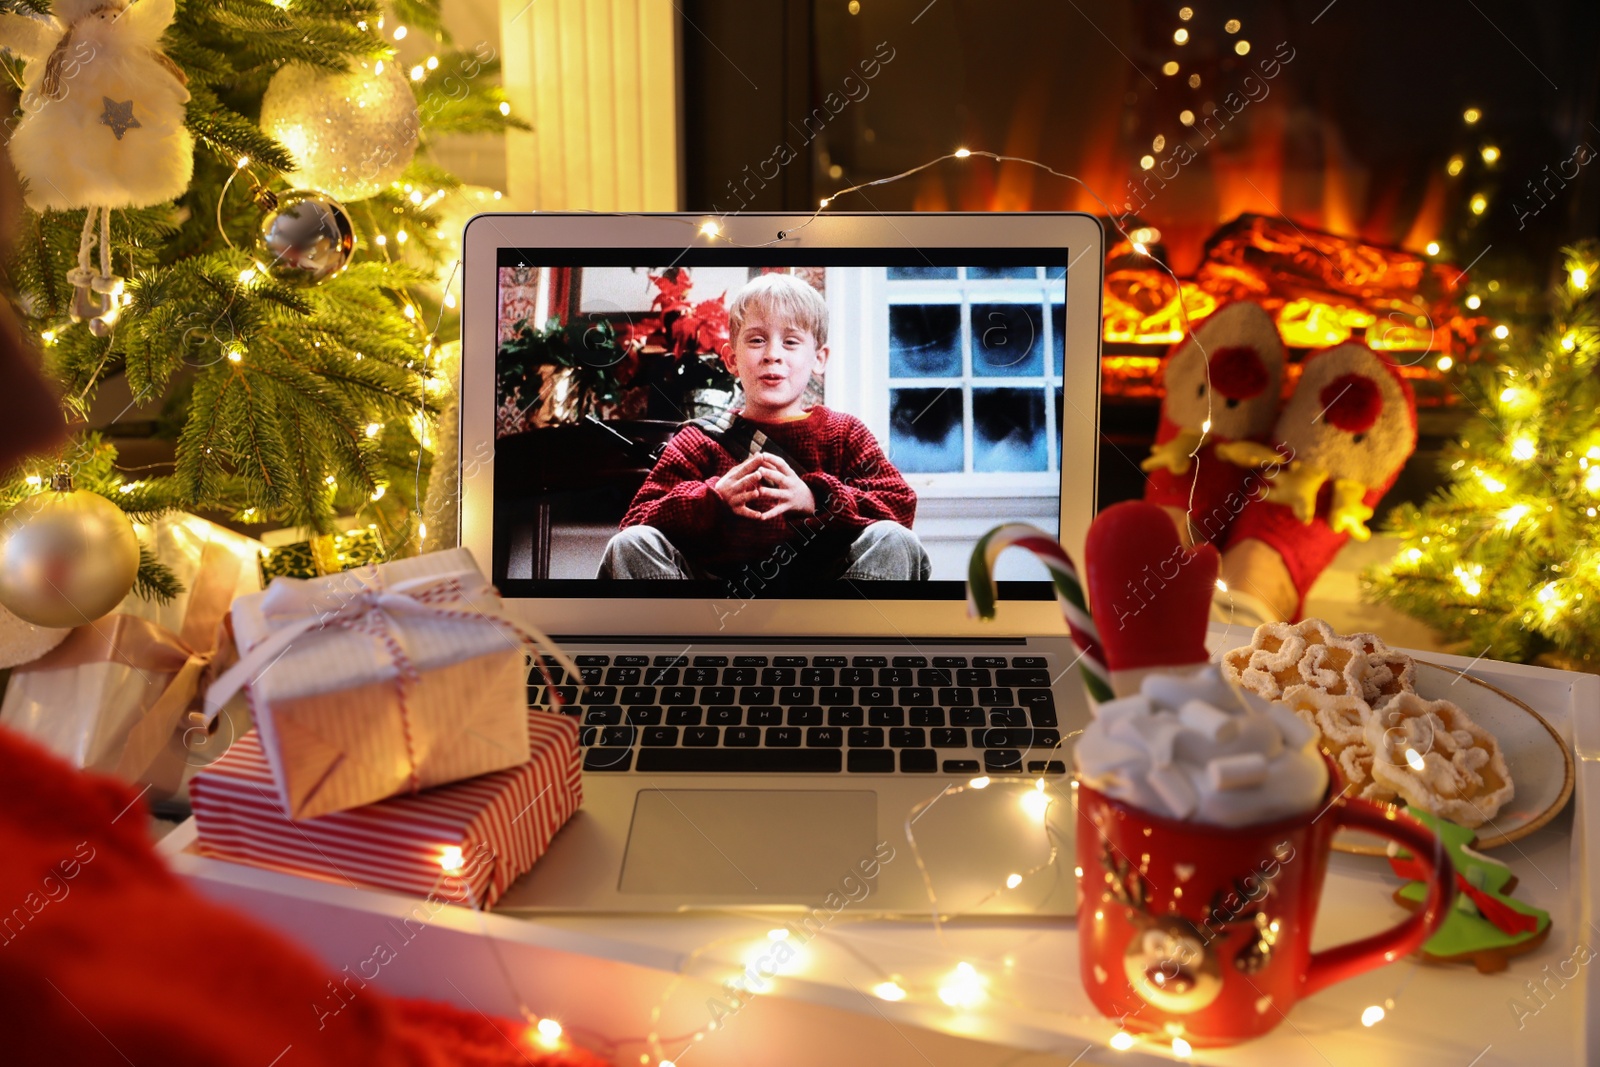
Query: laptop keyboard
{"x": 822, "y": 714}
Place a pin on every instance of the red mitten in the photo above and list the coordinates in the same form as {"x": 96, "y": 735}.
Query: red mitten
{"x": 1150, "y": 597}
{"x": 1239, "y": 399}
{"x": 1343, "y": 438}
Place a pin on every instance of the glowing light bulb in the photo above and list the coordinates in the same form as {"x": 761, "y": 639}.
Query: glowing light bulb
{"x": 1180, "y": 36}
{"x": 981, "y": 782}
{"x": 1591, "y": 481}
{"x": 1180, "y": 1048}
{"x": 247, "y": 276}
{"x": 410, "y": 312}
{"x": 1471, "y": 116}
{"x": 1469, "y": 580}
{"x": 1523, "y": 449}
{"x": 1170, "y": 67}
{"x": 374, "y": 428}
{"x": 1415, "y": 760}
{"x": 235, "y": 354}
{"x": 1205, "y": 427}
{"x": 433, "y": 63}
{"x": 380, "y": 240}
{"x": 33, "y": 479}
{"x": 964, "y": 987}
{"x": 48, "y": 337}
{"x": 1491, "y": 483}
{"x": 377, "y": 68}
{"x": 963, "y": 153}
{"x": 422, "y": 529}
{"x": 1479, "y": 203}
{"x": 450, "y": 860}
{"x": 709, "y": 229}
{"x": 1414, "y": 555}
{"x": 889, "y": 991}
{"x": 1502, "y": 331}
{"x": 505, "y": 108}
{"x": 1242, "y": 47}
{"x": 1035, "y": 804}
{"x": 1580, "y": 278}
{"x": 399, "y": 33}
{"x": 1147, "y": 161}
{"x": 1491, "y": 154}
{"x": 1013, "y": 880}
{"x": 1185, "y": 13}
{"x": 450, "y": 300}
{"x": 1433, "y": 248}
{"x": 241, "y": 163}
{"x": 1474, "y": 301}
{"x": 418, "y": 72}
{"x": 1122, "y": 1041}
{"x": 1186, "y": 117}
{"x": 1372, "y": 1016}
{"x": 1141, "y": 248}
{"x": 377, "y": 494}
{"x": 1222, "y": 586}
{"x": 1445, "y": 363}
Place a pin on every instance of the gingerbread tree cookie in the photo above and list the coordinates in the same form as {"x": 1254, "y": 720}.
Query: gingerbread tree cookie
{"x": 1487, "y": 926}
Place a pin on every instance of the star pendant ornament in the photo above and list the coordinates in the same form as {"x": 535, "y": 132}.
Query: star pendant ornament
{"x": 119, "y": 116}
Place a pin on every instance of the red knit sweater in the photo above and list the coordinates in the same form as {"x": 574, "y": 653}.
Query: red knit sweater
{"x": 836, "y": 456}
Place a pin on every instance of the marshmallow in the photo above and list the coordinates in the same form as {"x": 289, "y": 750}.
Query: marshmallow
{"x": 1243, "y": 771}
{"x": 1174, "y": 789}
{"x": 1208, "y": 720}
{"x": 1112, "y": 710}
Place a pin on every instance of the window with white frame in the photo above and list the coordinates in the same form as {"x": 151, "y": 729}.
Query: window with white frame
{"x": 958, "y": 372}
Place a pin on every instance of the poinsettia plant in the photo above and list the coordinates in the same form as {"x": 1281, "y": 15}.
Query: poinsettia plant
{"x": 678, "y": 349}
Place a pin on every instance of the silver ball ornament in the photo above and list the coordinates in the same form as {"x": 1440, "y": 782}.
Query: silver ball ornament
{"x": 66, "y": 558}
{"x": 352, "y": 132}
{"x": 307, "y": 238}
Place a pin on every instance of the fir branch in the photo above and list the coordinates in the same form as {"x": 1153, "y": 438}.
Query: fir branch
{"x": 230, "y": 135}
{"x": 155, "y": 580}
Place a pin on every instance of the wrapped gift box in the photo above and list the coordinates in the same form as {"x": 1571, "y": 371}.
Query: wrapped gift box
{"x": 379, "y": 681}
{"x": 465, "y": 841}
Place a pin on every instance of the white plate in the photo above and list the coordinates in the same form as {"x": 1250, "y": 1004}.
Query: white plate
{"x": 1540, "y": 765}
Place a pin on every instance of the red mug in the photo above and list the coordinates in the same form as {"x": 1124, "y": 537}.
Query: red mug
{"x": 1204, "y": 932}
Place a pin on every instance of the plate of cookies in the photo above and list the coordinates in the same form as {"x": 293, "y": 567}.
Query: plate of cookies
{"x": 1409, "y": 732}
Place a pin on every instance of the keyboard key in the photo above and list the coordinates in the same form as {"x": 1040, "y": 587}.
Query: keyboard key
{"x": 739, "y": 676}
{"x": 865, "y": 736}
{"x": 591, "y": 660}
{"x": 618, "y": 736}
{"x": 829, "y": 661}
{"x": 1002, "y": 738}
{"x": 894, "y": 676}
{"x": 717, "y": 694}
{"x": 600, "y": 694}
{"x": 588, "y": 736}
{"x": 797, "y": 694}
{"x": 592, "y": 675}
{"x": 919, "y": 761}
{"x": 1043, "y": 716}
{"x": 888, "y": 717}
{"x": 968, "y": 717}
{"x": 1008, "y": 717}
{"x": 817, "y": 676}
{"x": 572, "y": 709}
{"x": 838, "y": 694}
{"x": 824, "y": 737}
{"x": 961, "y": 766}
{"x": 659, "y": 736}
{"x": 764, "y": 716}
{"x": 870, "y": 761}
{"x": 742, "y": 736}
{"x": 677, "y": 694}
{"x": 935, "y": 677}
{"x": 846, "y": 717}
{"x": 974, "y": 676}
{"x": 623, "y": 676}
{"x": 701, "y": 736}
{"x": 1028, "y": 677}
{"x": 724, "y": 716}
{"x": 644, "y": 715}
{"x": 632, "y": 661}
{"x": 1002, "y": 761}
{"x": 808, "y": 716}
{"x": 954, "y": 696}
{"x": 910, "y": 661}
{"x": 855, "y": 676}
{"x": 537, "y": 677}
{"x": 711, "y": 661}
{"x": 608, "y": 716}
{"x": 783, "y": 737}
{"x": 754, "y": 661}
{"x": 949, "y": 661}
{"x": 1047, "y": 739}
{"x": 740, "y": 761}
{"x": 995, "y": 695}
{"x": 908, "y": 737}
{"x": 685, "y": 716}
{"x": 1027, "y": 661}
{"x": 950, "y": 737}
{"x": 927, "y": 716}
{"x": 869, "y": 661}
{"x": 988, "y": 661}
{"x": 875, "y": 694}
{"x": 1036, "y": 698}
{"x": 916, "y": 694}
{"x": 679, "y": 660}
{"x": 640, "y": 694}
{"x": 777, "y": 676}
{"x": 1039, "y": 766}
{"x": 700, "y": 676}
{"x": 763, "y": 694}
{"x": 788, "y": 661}
{"x": 661, "y": 676}
{"x": 608, "y": 759}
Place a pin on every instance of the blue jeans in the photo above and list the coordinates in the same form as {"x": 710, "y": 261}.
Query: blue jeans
{"x": 883, "y": 551}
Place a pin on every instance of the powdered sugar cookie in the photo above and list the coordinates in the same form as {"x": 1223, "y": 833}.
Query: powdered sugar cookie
{"x": 1437, "y": 759}
{"x": 1310, "y": 653}
{"x": 1390, "y": 672}
{"x": 1341, "y": 725}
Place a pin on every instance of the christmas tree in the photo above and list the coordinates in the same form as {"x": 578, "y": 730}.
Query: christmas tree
{"x": 1505, "y": 557}
{"x": 297, "y": 376}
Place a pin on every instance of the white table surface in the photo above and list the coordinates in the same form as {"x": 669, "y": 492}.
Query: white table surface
{"x": 603, "y": 976}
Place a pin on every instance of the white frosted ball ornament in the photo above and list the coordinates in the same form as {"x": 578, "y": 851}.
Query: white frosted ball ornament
{"x": 23, "y": 642}
{"x": 351, "y": 132}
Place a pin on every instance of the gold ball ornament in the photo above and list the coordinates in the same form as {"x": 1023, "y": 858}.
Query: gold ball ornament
{"x": 352, "y": 132}
{"x": 67, "y": 557}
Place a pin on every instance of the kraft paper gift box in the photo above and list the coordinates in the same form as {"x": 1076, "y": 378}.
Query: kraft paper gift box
{"x": 464, "y": 842}
{"x": 379, "y": 681}
{"x": 113, "y": 696}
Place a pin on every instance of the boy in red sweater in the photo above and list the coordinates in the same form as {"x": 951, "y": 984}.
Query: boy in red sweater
{"x": 788, "y": 494}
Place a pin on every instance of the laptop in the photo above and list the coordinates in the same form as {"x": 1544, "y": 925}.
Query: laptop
{"x": 791, "y": 731}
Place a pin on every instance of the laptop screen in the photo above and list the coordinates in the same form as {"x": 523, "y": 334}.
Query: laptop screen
{"x": 746, "y": 423}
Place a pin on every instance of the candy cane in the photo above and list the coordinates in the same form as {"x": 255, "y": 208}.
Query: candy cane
{"x": 1069, "y": 593}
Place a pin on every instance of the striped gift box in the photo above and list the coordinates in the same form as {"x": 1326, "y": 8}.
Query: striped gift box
{"x": 464, "y": 842}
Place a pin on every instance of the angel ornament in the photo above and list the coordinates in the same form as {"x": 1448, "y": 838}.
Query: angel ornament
{"x": 101, "y": 126}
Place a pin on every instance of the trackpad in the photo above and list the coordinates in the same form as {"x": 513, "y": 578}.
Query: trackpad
{"x": 751, "y": 843}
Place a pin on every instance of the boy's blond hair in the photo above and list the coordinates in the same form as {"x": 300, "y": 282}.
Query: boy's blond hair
{"x": 785, "y": 299}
